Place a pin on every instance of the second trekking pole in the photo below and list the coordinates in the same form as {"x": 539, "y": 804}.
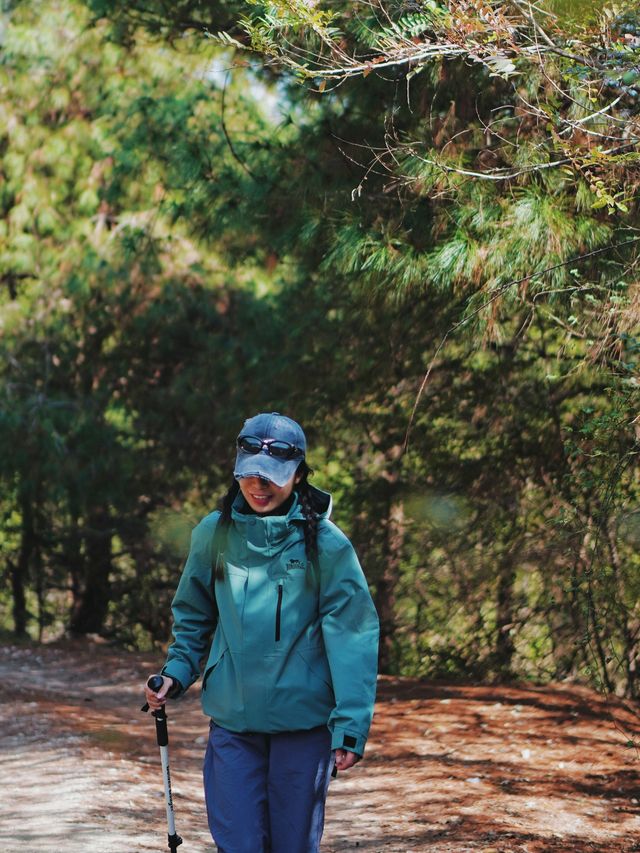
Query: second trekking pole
{"x": 162, "y": 734}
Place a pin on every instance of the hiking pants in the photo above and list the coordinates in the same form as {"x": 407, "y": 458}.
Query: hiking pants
{"x": 265, "y": 793}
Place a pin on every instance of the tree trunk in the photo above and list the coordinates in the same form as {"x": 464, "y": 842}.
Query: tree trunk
{"x": 505, "y": 604}
{"x": 20, "y": 570}
{"x": 41, "y": 591}
{"x": 630, "y": 651}
{"x": 19, "y": 610}
{"x": 385, "y": 599}
{"x": 92, "y": 595}
{"x": 74, "y": 559}
{"x": 596, "y": 630}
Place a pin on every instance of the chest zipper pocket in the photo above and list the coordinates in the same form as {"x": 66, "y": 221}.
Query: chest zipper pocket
{"x": 279, "y": 611}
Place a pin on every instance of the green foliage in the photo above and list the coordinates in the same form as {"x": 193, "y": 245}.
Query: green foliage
{"x": 110, "y": 320}
{"x": 422, "y": 257}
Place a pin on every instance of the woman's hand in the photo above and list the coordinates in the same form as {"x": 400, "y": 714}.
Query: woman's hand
{"x": 157, "y": 700}
{"x": 345, "y": 759}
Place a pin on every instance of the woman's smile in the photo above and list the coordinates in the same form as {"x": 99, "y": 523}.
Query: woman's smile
{"x": 263, "y": 495}
{"x": 262, "y": 499}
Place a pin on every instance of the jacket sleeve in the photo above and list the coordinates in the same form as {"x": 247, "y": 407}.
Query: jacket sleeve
{"x": 350, "y": 633}
{"x": 195, "y": 614}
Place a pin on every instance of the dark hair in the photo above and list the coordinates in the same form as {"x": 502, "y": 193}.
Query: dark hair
{"x": 310, "y": 527}
{"x": 303, "y": 489}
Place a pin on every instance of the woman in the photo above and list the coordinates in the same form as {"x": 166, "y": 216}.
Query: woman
{"x": 290, "y": 676}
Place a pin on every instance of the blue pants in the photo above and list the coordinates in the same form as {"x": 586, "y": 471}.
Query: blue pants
{"x": 265, "y": 793}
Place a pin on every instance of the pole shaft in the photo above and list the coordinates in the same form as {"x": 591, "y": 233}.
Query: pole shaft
{"x": 162, "y": 736}
{"x": 166, "y": 776}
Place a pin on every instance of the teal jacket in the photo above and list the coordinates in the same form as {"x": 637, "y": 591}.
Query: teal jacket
{"x": 294, "y": 645}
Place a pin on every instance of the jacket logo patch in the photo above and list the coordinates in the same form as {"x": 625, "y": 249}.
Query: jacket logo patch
{"x": 296, "y": 565}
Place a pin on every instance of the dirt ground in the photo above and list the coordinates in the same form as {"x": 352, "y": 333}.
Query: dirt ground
{"x": 449, "y": 768}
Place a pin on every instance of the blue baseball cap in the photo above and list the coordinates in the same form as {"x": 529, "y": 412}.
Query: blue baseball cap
{"x": 276, "y": 427}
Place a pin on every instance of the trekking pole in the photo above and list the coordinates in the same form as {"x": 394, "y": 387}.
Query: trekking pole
{"x": 155, "y": 683}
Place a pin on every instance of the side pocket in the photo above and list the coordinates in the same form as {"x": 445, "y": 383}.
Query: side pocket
{"x": 210, "y": 670}
{"x": 316, "y": 662}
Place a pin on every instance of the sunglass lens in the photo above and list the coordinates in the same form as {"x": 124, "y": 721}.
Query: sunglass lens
{"x": 249, "y": 444}
{"x": 281, "y": 449}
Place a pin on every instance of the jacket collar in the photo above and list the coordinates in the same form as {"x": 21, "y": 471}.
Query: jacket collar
{"x": 266, "y": 533}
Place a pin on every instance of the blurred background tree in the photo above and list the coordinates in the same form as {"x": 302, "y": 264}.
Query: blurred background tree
{"x": 414, "y": 227}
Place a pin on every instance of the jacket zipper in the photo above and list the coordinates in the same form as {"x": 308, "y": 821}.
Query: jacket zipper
{"x": 279, "y": 612}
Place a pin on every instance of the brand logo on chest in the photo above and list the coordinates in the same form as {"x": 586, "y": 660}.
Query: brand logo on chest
{"x": 296, "y": 565}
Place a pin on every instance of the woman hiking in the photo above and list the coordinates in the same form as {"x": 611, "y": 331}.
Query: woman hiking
{"x": 289, "y": 681}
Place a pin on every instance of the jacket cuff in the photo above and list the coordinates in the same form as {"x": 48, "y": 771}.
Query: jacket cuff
{"x": 179, "y": 680}
{"x": 175, "y": 690}
{"x": 349, "y": 740}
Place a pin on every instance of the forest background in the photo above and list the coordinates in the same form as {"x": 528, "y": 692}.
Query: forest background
{"x": 413, "y": 226}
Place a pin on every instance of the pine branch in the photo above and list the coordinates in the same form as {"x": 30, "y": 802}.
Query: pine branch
{"x": 501, "y": 290}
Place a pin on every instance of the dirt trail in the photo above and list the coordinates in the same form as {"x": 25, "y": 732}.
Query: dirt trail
{"x": 449, "y": 768}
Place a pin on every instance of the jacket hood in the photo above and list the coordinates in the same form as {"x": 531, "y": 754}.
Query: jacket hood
{"x": 321, "y": 501}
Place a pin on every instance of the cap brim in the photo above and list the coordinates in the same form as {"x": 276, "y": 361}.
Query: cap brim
{"x": 278, "y": 471}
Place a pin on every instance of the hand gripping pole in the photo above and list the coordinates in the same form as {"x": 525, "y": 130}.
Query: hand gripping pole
{"x": 162, "y": 735}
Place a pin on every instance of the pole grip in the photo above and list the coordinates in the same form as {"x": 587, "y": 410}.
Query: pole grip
{"x": 162, "y": 733}
{"x": 154, "y": 683}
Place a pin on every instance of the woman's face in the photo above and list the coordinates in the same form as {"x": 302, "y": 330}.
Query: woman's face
{"x": 263, "y": 495}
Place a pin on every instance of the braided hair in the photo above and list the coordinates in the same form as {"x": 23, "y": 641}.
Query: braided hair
{"x": 310, "y": 527}
{"x": 308, "y": 511}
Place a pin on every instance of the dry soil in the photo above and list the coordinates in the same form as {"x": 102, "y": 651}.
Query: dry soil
{"x": 449, "y": 768}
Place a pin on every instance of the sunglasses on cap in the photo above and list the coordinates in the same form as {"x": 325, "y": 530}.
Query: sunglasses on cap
{"x": 274, "y": 447}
